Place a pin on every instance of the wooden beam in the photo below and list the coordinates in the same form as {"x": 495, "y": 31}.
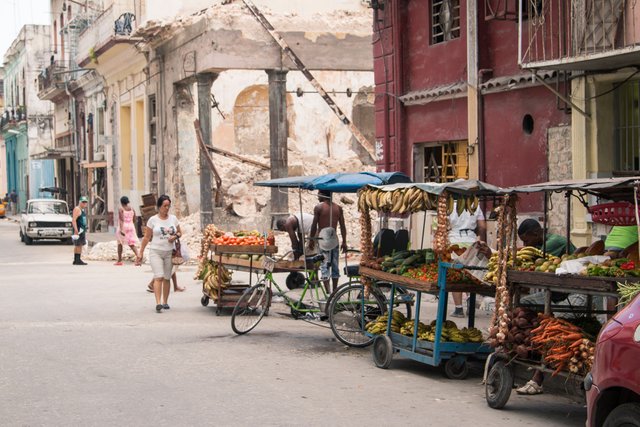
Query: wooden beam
{"x": 205, "y": 153}
{"x": 238, "y": 157}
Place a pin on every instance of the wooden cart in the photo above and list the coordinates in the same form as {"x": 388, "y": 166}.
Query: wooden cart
{"x": 222, "y": 254}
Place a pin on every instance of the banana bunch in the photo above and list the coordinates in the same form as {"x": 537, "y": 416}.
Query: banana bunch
{"x": 214, "y": 276}
{"x": 472, "y": 335}
{"x": 379, "y": 325}
{"x": 527, "y": 258}
{"x": 408, "y": 328}
{"x": 411, "y": 199}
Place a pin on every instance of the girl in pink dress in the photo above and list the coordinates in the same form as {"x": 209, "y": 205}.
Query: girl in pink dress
{"x": 126, "y": 231}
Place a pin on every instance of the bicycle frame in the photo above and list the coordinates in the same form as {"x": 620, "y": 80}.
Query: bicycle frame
{"x": 312, "y": 286}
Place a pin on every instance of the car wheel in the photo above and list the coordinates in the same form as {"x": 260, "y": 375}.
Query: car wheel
{"x": 627, "y": 415}
{"x": 21, "y": 236}
{"x": 28, "y": 240}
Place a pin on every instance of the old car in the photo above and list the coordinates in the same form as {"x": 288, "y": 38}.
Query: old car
{"x": 613, "y": 385}
{"x": 46, "y": 219}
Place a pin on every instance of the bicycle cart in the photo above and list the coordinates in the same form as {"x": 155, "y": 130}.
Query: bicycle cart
{"x": 523, "y": 340}
{"x": 362, "y": 306}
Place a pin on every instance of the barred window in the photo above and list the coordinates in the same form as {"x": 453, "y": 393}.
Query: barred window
{"x": 627, "y": 128}
{"x": 445, "y": 20}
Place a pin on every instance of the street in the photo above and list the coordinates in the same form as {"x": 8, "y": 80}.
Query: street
{"x": 83, "y": 345}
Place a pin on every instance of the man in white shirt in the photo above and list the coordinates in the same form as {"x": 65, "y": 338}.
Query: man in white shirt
{"x": 465, "y": 230}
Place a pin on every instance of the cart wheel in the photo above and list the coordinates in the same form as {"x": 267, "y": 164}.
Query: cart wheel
{"x": 382, "y": 351}
{"x": 204, "y": 300}
{"x": 499, "y": 385}
{"x": 456, "y": 368}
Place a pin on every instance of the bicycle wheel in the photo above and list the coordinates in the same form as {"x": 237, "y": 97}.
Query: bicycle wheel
{"x": 403, "y": 300}
{"x": 250, "y": 308}
{"x": 348, "y": 315}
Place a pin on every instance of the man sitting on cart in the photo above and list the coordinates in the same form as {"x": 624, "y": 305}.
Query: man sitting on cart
{"x": 296, "y": 226}
{"x": 326, "y": 217}
{"x": 531, "y": 233}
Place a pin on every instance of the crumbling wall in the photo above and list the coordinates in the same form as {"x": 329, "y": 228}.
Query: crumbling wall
{"x": 560, "y": 168}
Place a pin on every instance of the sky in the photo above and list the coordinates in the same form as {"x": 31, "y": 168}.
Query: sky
{"x": 16, "y": 13}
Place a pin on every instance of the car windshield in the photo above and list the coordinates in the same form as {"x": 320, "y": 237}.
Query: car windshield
{"x": 48, "y": 208}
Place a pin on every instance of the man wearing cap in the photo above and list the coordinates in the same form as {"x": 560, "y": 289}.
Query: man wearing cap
{"x": 326, "y": 217}
{"x": 79, "y": 230}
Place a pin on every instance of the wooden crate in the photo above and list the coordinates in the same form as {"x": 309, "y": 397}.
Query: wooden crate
{"x": 149, "y": 200}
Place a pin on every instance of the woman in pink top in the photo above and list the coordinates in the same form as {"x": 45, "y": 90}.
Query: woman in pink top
{"x": 126, "y": 231}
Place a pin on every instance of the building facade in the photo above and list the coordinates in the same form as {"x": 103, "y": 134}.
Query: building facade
{"x": 27, "y": 121}
{"x": 509, "y": 92}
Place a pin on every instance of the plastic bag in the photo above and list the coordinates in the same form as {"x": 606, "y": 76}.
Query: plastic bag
{"x": 575, "y": 266}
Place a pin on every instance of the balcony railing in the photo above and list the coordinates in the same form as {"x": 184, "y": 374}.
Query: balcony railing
{"x": 579, "y": 34}
{"x": 52, "y": 78}
{"x": 116, "y": 20}
{"x": 12, "y": 115}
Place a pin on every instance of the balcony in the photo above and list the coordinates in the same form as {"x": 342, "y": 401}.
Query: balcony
{"x": 110, "y": 32}
{"x": 579, "y": 34}
{"x": 51, "y": 80}
{"x": 12, "y": 116}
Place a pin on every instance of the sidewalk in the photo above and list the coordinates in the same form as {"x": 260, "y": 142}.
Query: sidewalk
{"x": 92, "y": 238}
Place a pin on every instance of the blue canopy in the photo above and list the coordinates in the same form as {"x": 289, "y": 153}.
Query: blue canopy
{"x": 338, "y": 182}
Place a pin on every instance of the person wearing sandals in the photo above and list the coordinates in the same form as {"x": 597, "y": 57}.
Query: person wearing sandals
{"x": 165, "y": 230}
{"x": 126, "y": 231}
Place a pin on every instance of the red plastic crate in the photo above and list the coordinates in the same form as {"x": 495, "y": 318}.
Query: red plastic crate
{"x": 619, "y": 213}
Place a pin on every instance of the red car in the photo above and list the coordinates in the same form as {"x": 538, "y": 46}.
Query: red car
{"x": 613, "y": 385}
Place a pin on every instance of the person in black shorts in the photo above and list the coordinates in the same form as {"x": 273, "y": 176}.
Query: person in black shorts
{"x": 79, "y": 230}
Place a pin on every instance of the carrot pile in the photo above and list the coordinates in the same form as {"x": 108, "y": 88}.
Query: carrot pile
{"x": 562, "y": 345}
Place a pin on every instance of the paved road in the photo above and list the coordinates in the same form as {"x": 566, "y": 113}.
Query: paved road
{"x": 84, "y": 346}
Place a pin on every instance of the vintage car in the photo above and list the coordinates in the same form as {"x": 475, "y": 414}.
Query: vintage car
{"x": 46, "y": 219}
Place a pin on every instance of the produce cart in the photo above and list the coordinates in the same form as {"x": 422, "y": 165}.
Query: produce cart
{"x": 223, "y": 252}
{"x": 527, "y": 337}
{"x": 441, "y": 342}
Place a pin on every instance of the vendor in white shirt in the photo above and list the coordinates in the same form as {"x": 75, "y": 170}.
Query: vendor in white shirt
{"x": 465, "y": 230}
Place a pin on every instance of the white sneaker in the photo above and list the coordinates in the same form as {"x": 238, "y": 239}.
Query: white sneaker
{"x": 530, "y": 388}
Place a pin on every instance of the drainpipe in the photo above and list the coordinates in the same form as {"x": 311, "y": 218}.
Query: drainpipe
{"x": 401, "y": 163}
{"x": 482, "y": 174}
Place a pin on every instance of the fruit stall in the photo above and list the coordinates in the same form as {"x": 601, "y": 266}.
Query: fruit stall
{"x": 545, "y": 305}
{"x": 427, "y": 270}
{"x": 223, "y": 252}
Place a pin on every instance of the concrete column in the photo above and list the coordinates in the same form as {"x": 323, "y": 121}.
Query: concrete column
{"x": 278, "y": 136}
{"x": 205, "y": 80}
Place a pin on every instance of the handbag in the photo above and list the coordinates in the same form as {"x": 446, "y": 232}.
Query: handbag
{"x": 176, "y": 254}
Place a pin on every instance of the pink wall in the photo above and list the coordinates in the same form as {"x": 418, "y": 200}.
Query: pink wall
{"x": 513, "y": 157}
{"x": 428, "y": 65}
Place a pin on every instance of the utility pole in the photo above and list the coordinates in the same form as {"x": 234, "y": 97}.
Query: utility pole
{"x": 205, "y": 80}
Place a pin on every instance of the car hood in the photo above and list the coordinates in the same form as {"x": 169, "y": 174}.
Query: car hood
{"x": 49, "y": 218}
